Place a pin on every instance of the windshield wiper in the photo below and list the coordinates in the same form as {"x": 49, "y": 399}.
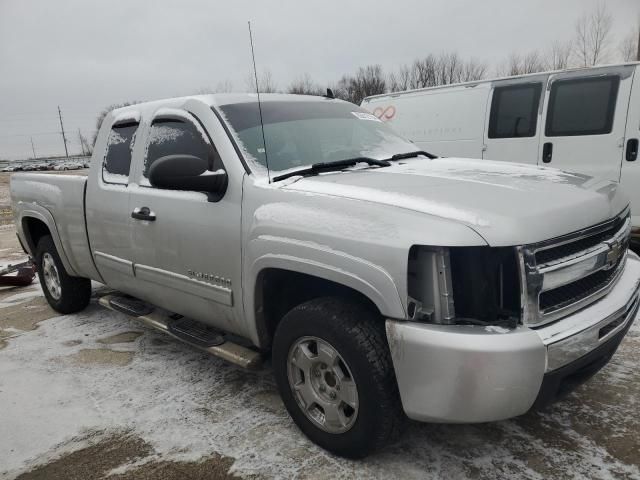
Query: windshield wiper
{"x": 400, "y": 156}
{"x": 331, "y": 166}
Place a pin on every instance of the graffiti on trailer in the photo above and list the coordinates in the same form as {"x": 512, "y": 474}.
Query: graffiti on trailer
{"x": 385, "y": 113}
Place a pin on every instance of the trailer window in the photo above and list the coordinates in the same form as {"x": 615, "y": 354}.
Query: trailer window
{"x": 177, "y": 137}
{"x": 514, "y": 111}
{"x": 117, "y": 160}
{"x": 583, "y": 106}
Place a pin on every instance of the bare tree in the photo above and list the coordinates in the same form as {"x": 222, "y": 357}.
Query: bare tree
{"x": 510, "y": 66}
{"x": 558, "y": 55}
{"x": 593, "y": 36}
{"x": 400, "y": 81}
{"x": 304, "y": 85}
{"x": 265, "y": 80}
{"x": 473, "y": 70}
{"x": 344, "y": 88}
{"x": 448, "y": 69}
{"x": 433, "y": 70}
{"x": 629, "y": 47}
{"x": 225, "y": 86}
{"x": 424, "y": 72}
{"x": 369, "y": 80}
{"x": 517, "y": 64}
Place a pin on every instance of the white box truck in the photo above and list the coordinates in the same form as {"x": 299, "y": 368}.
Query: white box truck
{"x": 583, "y": 120}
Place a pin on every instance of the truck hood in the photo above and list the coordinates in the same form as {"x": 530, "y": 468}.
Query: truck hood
{"x": 505, "y": 203}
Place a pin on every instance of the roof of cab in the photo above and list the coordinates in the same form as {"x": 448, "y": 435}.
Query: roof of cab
{"x": 217, "y": 99}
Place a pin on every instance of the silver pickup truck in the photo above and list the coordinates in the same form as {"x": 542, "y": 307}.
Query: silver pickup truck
{"x": 383, "y": 282}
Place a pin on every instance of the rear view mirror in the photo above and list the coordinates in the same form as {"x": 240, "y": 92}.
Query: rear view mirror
{"x": 187, "y": 172}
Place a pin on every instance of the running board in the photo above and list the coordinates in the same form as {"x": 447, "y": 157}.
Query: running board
{"x": 187, "y": 332}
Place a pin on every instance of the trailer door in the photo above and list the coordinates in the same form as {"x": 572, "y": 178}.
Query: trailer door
{"x": 585, "y": 115}
{"x": 630, "y": 175}
{"x": 512, "y": 133}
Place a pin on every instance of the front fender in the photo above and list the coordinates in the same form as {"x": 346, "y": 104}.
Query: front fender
{"x": 363, "y": 276}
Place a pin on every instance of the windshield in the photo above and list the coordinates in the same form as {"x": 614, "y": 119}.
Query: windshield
{"x": 299, "y": 134}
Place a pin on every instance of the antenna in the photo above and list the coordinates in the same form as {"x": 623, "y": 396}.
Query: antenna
{"x": 255, "y": 73}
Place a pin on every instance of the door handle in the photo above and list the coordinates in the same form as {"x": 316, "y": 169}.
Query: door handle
{"x": 143, "y": 213}
{"x": 632, "y": 149}
{"x": 547, "y": 152}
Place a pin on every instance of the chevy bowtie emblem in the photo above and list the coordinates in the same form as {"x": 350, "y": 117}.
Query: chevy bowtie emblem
{"x": 614, "y": 254}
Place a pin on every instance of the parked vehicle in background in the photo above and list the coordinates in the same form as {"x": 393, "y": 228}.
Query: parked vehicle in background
{"x": 581, "y": 120}
{"x": 379, "y": 278}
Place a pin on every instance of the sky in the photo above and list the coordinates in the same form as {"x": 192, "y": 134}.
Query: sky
{"x": 84, "y": 55}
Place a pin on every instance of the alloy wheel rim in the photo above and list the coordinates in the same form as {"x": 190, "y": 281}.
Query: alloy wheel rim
{"x": 51, "y": 276}
{"x": 322, "y": 385}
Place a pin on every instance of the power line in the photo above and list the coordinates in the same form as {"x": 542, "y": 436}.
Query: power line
{"x": 64, "y": 138}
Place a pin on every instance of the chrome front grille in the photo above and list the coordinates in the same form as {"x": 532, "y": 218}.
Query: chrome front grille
{"x": 565, "y": 274}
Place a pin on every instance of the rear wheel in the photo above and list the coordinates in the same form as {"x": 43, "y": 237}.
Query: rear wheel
{"x": 65, "y": 294}
{"x": 334, "y": 372}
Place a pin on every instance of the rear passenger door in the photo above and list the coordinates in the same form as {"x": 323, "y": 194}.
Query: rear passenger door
{"x": 107, "y": 206}
{"x": 585, "y": 116}
{"x": 512, "y": 131}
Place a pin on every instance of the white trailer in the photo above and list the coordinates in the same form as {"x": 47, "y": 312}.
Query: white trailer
{"x": 583, "y": 120}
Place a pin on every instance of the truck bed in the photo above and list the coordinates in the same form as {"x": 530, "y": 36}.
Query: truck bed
{"x": 57, "y": 201}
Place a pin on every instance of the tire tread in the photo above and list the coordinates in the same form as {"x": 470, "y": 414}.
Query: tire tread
{"x": 76, "y": 291}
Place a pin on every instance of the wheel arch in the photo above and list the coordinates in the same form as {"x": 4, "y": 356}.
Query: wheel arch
{"x": 281, "y": 284}
{"x": 35, "y": 224}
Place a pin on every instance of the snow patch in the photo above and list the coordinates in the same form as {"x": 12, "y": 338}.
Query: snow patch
{"x": 496, "y": 329}
{"x": 127, "y": 116}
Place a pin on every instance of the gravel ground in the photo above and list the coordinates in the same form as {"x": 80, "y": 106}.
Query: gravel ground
{"x": 97, "y": 394}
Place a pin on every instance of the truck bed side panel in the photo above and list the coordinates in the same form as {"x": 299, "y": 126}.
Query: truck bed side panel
{"x": 58, "y": 201}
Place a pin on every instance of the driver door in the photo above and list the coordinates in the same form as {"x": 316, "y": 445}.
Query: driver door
{"x": 186, "y": 246}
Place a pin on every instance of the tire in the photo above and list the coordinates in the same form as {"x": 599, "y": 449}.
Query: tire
{"x": 357, "y": 335}
{"x": 72, "y": 293}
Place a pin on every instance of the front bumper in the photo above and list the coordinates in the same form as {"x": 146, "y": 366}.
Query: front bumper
{"x": 466, "y": 374}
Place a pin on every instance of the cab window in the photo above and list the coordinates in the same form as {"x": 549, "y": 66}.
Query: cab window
{"x": 514, "y": 111}
{"x": 584, "y": 106}
{"x": 179, "y": 137}
{"x": 117, "y": 161}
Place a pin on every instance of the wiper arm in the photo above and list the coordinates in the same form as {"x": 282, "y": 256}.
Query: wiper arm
{"x": 331, "y": 166}
{"x": 400, "y": 156}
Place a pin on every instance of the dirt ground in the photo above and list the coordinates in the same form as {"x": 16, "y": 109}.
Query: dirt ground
{"x": 96, "y": 395}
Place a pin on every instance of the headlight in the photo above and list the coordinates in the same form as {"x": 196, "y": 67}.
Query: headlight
{"x": 464, "y": 285}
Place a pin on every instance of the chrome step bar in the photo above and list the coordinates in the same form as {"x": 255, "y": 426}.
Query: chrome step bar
{"x": 159, "y": 319}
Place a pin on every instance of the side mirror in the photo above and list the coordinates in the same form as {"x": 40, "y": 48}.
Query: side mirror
{"x": 187, "y": 172}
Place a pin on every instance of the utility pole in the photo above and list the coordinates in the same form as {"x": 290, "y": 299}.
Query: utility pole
{"x": 64, "y": 138}
{"x": 638, "y": 54}
{"x": 33, "y": 149}
{"x": 81, "y": 142}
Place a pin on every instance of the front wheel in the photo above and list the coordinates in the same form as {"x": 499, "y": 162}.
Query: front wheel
{"x": 65, "y": 294}
{"x": 333, "y": 369}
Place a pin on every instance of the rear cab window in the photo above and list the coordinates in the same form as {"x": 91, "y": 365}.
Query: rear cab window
{"x": 179, "y": 136}
{"x": 117, "y": 160}
{"x": 584, "y": 106}
{"x": 514, "y": 111}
